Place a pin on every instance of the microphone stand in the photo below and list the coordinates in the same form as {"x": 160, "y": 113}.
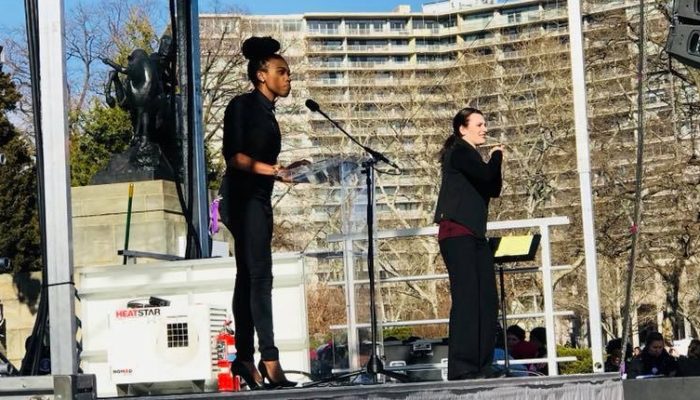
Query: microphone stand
{"x": 377, "y": 156}
{"x": 374, "y": 365}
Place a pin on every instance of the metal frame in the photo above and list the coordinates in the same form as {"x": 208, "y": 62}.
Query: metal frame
{"x": 188, "y": 49}
{"x": 546, "y": 268}
{"x": 578, "y": 78}
{"x": 59, "y": 233}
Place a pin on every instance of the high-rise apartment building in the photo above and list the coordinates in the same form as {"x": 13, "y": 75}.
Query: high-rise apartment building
{"x": 393, "y": 79}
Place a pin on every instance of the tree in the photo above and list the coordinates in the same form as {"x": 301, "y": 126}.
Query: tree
{"x": 102, "y": 131}
{"x": 20, "y": 239}
{"x": 109, "y": 29}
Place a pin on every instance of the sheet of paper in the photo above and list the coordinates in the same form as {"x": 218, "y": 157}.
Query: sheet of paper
{"x": 514, "y": 246}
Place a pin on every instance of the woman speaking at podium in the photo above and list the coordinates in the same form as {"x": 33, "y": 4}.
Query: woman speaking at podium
{"x": 468, "y": 183}
{"x": 251, "y": 144}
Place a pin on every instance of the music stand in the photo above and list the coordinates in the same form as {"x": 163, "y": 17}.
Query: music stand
{"x": 511, "y": 249}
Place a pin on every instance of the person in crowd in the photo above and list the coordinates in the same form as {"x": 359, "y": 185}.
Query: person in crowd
{"x": 654, "y": 360}
{"x": 690, "y": 364}
{"x": 637, "y": 351}
{"x": 468, "y": 184}
{"x": 518, "y": 347}
{"x": 538, "y": 337}
{"x": 499, "y": 354}
{"x": 613, "y": 349}
{"x": 694, "y": 349}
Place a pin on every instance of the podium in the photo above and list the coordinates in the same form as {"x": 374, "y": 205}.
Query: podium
{"x": 334, "y": 170}
{"x": 345, "y": 174}
{"x": 357, "y": 208}
{"x": 508, "y": 249}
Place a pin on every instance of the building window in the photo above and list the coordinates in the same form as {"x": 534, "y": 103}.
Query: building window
{"x": 397, "y": 25}
{"x": 291, "y": 25}
{"x": 476, "y": 18}
{"x": 323, "y": 26}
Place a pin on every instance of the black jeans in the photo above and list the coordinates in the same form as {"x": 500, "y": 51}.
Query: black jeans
{"x": 474, "y": 305}
{"x": 252, "y": 295}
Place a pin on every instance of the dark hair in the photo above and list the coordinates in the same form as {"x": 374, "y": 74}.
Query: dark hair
{"x": 460, "y": 119}
{"x": 258, "y": 51}
{"x": 539, "y": 333}
{"x": 615, "y": 345}
{"x": 694, "y": 349}
{"x": 516, "y": 331}
{"x": 500, "y": 337}
{"x": 653, "y": 337}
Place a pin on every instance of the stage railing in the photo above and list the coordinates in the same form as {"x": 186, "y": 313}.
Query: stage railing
{"x": 543, "y": 225}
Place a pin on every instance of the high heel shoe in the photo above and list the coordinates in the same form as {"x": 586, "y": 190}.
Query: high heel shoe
{"x": 285, "y": 383}
{"x": 238, "y": 368}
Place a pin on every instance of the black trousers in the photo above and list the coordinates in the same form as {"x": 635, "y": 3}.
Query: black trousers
{"x": 251, "y": 226}
{"x": 474, "y": 305}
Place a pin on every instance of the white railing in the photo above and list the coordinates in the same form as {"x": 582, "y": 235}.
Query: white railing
{"x": 543, "y": 225}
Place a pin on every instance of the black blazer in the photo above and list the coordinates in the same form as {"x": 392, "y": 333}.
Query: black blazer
{"x": 468, "y": 183}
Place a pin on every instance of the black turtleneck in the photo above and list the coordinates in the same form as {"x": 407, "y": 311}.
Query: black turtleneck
{"x": 250, "y": 128}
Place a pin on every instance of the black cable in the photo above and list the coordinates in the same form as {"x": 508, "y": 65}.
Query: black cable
{"x": 185, "y": 210}
{"x": 32, "y": 357}
{"x": 59, "y": 284}
{"x": 185, "y": 204}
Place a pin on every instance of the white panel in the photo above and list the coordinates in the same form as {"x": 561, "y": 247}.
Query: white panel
{"x": 207, "y": 282}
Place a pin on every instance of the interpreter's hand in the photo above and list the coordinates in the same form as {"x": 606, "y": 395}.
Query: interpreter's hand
{"x": 498, "y": 147}
{"x": 284, "y": 175}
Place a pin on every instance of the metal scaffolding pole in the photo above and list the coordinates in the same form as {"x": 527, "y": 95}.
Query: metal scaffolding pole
{"x": 578, "y": 78}
{"x": 59, "y": 238}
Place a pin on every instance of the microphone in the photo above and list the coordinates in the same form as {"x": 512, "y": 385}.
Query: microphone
{"x": 312, "y": 105}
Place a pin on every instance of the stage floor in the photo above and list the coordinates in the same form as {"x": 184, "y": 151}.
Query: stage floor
{"x": 591, "y": 386}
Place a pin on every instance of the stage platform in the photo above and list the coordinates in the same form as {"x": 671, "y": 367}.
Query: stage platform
{"x": 573, "y": 387}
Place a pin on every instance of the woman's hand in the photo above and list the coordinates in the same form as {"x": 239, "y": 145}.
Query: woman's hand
{"x": 283, "y": 174}
{"x": 498, "y": 147}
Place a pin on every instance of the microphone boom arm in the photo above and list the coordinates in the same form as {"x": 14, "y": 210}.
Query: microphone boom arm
{"x": 313, "y": 106}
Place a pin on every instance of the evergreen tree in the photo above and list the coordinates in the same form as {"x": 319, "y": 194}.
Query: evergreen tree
{"x": 104, "y": 131}
{"x": 20, "y": 239}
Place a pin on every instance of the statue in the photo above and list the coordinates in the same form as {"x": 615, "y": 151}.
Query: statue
{"x": 146, "y": 93}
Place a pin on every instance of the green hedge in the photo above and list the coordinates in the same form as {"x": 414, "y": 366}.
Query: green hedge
{"x": 582, "y": 365}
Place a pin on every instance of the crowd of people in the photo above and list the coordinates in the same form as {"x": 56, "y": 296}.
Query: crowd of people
{"x": 656, "y": 359}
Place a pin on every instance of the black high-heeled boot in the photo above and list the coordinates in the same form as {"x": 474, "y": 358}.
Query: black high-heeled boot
{"x": 272, "y": 384}
{"x": 238, "y": 368}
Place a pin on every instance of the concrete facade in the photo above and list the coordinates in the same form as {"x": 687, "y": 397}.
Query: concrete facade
{"x": 99, "y": 221}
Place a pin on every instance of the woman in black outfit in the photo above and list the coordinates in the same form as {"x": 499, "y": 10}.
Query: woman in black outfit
{"x": 462, "y": 209}
{"x": 654, "y": 359}
{"x": 251, "y": 145}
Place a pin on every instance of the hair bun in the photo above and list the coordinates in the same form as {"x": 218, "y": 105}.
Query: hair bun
{"x": 256, "y": 48}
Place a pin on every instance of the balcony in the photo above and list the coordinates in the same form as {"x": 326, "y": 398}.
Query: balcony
{"x": 471, "y": 42}
{"x": 328, "y": 82}
{"x": 426, "y": 31}
{"x": 324, "y": 31}
{"x": 327, "y": 64}
{"x": 508, "y": 55}
{"x": 324, "y": 48}
{"x": 379, "y": 32}
{"x": 379, "y": 48}
{"x": 359, "y": 31}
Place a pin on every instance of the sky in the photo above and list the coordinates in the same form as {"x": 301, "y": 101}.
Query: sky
{"x": 12, "y": 14}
